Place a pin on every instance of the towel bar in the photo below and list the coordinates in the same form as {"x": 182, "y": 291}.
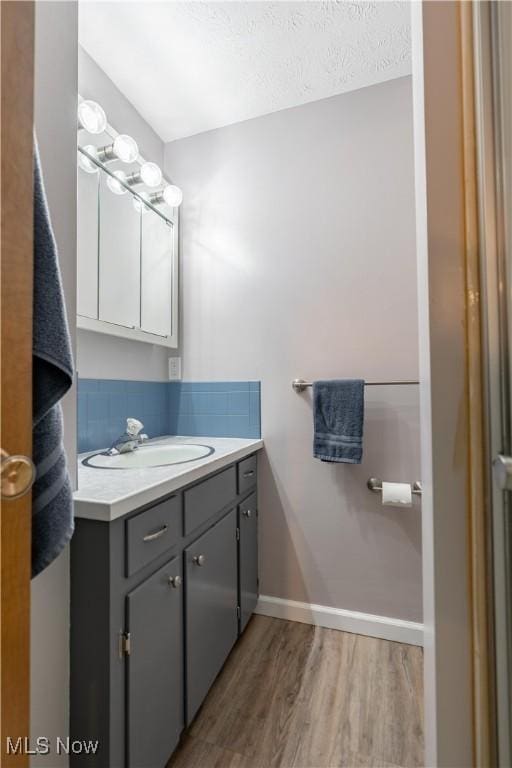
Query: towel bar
{"x": 299, "y": 385}
{"x": 375, "y": 484}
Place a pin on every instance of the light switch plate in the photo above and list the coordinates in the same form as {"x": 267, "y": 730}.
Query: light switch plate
{"x": 174, "y": 368}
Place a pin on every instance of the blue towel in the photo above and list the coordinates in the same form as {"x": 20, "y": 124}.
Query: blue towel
{"x": 338, "y": 416}
{"x": 52, "y": 497}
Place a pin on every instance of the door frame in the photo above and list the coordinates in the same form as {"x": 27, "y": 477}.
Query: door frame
{"x": 455, "y": 511}
{"x": 494, "y": 198}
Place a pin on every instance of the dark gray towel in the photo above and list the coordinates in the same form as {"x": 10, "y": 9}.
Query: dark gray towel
{"x": 52, "y": 498}
{"x": 338, "y": 417}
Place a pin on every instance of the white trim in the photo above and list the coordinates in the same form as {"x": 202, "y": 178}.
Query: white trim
{"x": 398, "y": 630}
{"x": 124, "y": 332}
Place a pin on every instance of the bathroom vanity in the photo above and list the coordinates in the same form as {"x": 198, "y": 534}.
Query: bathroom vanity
{"x": 164, "y": 578}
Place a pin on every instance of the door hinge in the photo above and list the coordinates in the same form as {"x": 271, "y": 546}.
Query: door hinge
{"x": 238, "y": 534}
{"x": 125, "y": 644}
{"x": 238, "y": 611}
{"x": 502, "y": 470}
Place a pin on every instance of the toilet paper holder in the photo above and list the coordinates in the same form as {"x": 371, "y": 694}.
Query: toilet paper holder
{"x": 375, "y": 485}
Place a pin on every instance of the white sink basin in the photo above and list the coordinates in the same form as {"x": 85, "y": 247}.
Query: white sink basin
{"x": 150, "y": 456}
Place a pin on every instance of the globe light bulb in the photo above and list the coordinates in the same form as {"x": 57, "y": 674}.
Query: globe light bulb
{"x": 91, "y": 117}
{"x": 125, "y": 148}
{"x": 84, "y": 162}
{"x": 151, "y": 174}
{"x": 114, "y": 185}
{"x": 173, "y": 195}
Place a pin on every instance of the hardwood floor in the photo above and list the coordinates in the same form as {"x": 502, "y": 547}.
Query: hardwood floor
{"x": 296, "y": 696}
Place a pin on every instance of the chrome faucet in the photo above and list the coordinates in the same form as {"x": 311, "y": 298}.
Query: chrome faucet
{"x": 130, "y": 440}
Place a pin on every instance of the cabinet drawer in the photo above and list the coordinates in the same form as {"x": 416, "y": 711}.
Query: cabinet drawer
{"x": 247, "y": 473}
{"x": 152, "y": 532}
{"x": 205, "y": 499}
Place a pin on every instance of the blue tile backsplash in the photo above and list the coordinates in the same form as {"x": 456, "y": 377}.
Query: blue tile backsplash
{"x": 215, "y": 409}
{"x": 105, "y": 404}
{"x": 209, "y": 409}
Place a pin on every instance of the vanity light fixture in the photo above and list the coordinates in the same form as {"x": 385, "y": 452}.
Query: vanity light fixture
{"x": 149, "y": 174}
{"x": 91, "y": 159}
{"x": 84, "y": 162}
{"x": 91, "y": 117}
{"x": 122, "y": 148}
{"x": 114, "y": 185}
{"x": 171, "y": 194}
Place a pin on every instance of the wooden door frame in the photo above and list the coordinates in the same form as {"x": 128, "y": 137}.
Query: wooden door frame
{"x": 459, "y": 693}
{"x": 479, "y": 457}
{"x": 16, "y": 202}
{"x": 492, "y": 117}
{"x": 455, "y": 590}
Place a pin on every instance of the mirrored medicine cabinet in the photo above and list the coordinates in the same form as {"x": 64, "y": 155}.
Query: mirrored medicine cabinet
{"x": 127, "y": 250}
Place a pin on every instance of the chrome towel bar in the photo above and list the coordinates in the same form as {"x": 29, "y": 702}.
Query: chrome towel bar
{"x": 375, "y": 484}
{"x": 299, "y": 385}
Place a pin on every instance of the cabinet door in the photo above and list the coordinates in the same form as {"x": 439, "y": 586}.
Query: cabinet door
{"x": 157, "y": 254}
{"x": 119, "y": 258}
{"x": 155, "y": 668}
{"x": 87, "y": 243}
{"x": 211, "y": 607}
{"x": 248, "y": 561}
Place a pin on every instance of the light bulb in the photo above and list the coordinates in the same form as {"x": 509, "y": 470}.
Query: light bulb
{"x": 91, "y": 117}
{"x": 125, "y": 148}
{"x": 114, "y": 185}
{"x": 173, "y": 195}
{"x": 151, "y": 174}
{"x": 83, "y": 161}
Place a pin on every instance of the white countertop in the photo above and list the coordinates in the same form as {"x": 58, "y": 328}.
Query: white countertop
{"x": 106, "y": 494}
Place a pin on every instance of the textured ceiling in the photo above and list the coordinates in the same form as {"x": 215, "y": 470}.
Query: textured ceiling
{"x": 192, "y": 66}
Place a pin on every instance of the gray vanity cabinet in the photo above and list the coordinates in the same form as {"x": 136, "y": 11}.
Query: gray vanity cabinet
{"x": 154, "y": 667}
{"x": 158, "y": 599}
{"x": 248, "y": 559}
{"x": 211, "y": 607}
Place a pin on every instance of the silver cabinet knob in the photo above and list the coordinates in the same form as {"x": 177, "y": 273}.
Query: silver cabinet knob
{"x": 175, "y": 581}
{"x": 199, "y": 559}
{"x": 247, "y": 513}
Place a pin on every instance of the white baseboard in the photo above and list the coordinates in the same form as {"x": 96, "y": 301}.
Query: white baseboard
{"x": 383, "y": 627}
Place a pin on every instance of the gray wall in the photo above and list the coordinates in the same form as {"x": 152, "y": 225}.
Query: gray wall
{"x": 101, "y": 356}
{"x": 55, "y": 119}
{"x": 298, "y": 260}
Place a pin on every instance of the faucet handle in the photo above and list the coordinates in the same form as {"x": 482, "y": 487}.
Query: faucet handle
{"x": 143, "y": 438}
{"x": 133, "y": 427}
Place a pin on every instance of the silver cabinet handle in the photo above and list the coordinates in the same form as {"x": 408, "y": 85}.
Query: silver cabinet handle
{"x": 175, "y": 581}
{"x": 199, "y": 559}
{"x": 156, "y": 535}
{"x": 247, "y": 512}
{"x": 249, "y": 473}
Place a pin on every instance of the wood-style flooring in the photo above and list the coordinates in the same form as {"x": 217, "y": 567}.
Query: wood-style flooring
{"x": 296, "y": 696}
